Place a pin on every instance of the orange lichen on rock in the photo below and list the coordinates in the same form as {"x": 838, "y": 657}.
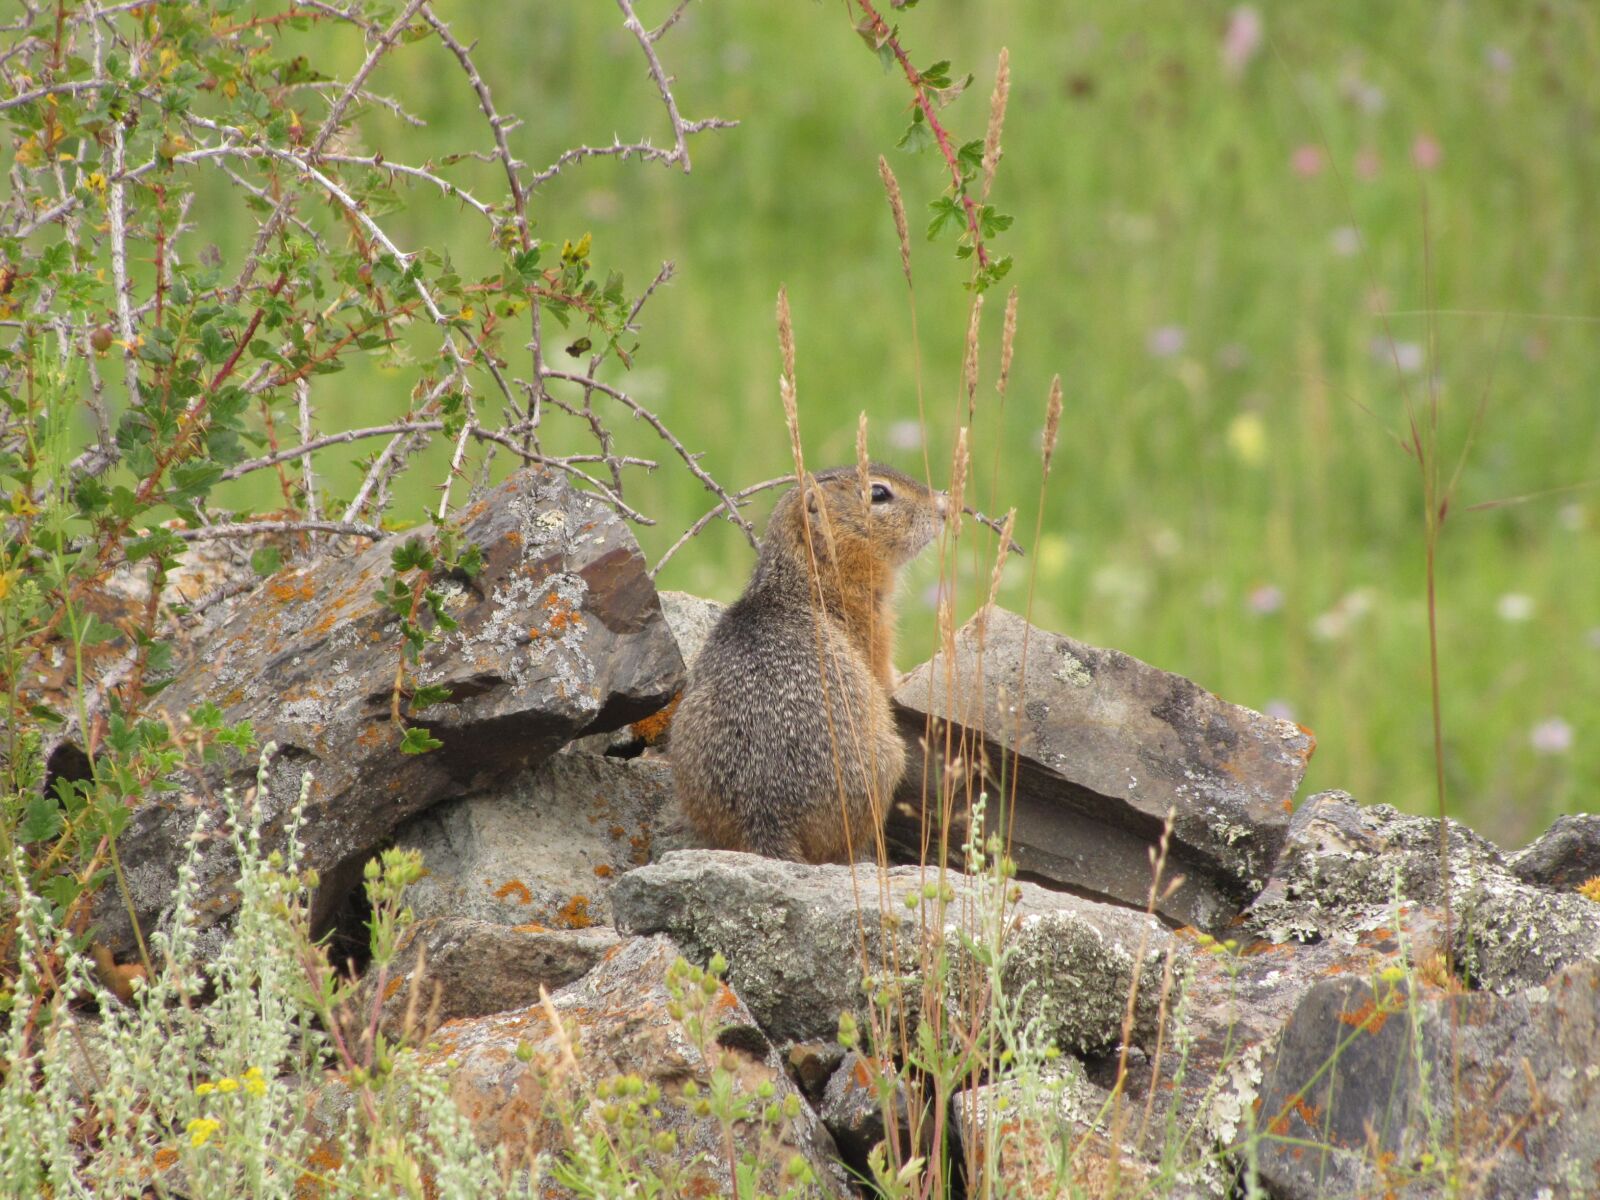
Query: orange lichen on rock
{"x": 374, "y": 734}
{"x": 650, "y": 729}
{"x": 1368, "y": 1017}
{"x": 311, "y": 1186}
{"x": 289, "y": 590}
{"x": 516, "y": 889}
{"x": 574, "y": 914}
{"x": 563, "y": 613}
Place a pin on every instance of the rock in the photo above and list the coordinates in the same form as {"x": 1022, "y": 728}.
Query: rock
{"x": 795, "y": 937}
{"x": 507, "y": 1071}
{"x": 472, "y": 968}
{"x": 1344, "y": 870}
{"x": 543, "y": 847}
{"x": 1564, "y": 856}
{"x": 1511, "y": 936}
{"x": 1361, "y": 1095}
{"x": 1356, "y": 895}
{"x": 1107, "y": 746}
{"x": 812, "y": 1064}
{"x": 1043, "y": 1140}
{"x": 691, "y": 620}
{"x": 853, "y": 1112}
{"x": 559, "y": 634}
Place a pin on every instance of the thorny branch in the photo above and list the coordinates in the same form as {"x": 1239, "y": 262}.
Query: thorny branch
{"x": 885, "y": 35}
{"x": 292, "y": 182}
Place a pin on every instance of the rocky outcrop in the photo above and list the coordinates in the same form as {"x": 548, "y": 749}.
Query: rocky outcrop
{"x": 560, "y": 633}
{"x": 1346, "y": 869}
{"x": 450, "y": 967}
{"x": 1385, "y": 1087}
{"x": 1098, "y": 748}
{"x": 802, "y": 941}
{"x": 507, "y": 1073}
{"x": 1354, "y": 1002}
{"x": 543, "y": 847}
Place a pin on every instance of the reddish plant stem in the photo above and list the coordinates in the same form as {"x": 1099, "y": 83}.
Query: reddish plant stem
{"x": 882, "y": 30}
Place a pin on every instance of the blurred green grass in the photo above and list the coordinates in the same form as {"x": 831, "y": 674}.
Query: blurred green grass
{"x": 1203, "y": 254}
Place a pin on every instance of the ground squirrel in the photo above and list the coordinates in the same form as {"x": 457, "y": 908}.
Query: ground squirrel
{"x": 784, "y": 742}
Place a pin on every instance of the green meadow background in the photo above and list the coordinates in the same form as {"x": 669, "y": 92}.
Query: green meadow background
{"x": 1242, "y": 254}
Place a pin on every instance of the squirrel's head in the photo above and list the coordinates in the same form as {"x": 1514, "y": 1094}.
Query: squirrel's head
{"x": 888, "y": 521}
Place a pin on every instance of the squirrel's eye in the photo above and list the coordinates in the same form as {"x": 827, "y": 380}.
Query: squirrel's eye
{"x": 881, "y": 493}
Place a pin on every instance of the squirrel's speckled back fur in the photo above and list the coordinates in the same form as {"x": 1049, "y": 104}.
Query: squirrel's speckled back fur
{"x": 784, "y": 742}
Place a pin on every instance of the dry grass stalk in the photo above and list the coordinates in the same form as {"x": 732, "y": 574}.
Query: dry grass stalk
{"x": 1052, "y": 423}
{"x": 863, "y": 463}
{"x": 786, "y": 389}
{"x": 969, "y": 365}
{"x": 1000, "y": 559}
{"x": 1006, "y": 544}
{"x": 997, "y": 118}
{"x": 786, "y": 335}
{"x": 1008, "y": 338}
{"x": 958, "y": 482}
{"x": 897, "y": 206}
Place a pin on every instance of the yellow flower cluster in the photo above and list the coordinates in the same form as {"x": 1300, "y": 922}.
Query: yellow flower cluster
{"x": 253, "y": 1082}
{"x": 201, "y": 1129}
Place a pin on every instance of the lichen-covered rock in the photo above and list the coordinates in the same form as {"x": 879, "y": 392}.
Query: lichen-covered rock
{"x": 1346, "y": 869}
{"x": 797, "y": 937}
{"x": 559, "y": 634}
{"x": 542, "y": 847}
{"x": 1104, "y": 746}
{"x": 1048, "y": 1138}
{"x": 1387, "y": 1088}
{"x": 1563, "y": 857}
{"x": 507, "y": 1070}
{"x": 1513, "y": 936}
{"x": 472, "y": 968}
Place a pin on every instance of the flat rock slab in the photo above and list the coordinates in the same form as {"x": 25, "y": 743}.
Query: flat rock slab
{"x": 1381, "y": 1088}
{"x": 797, "y": 937}
{"x": 473, "y": 968}
{"x": 560, "y": 633}
{"x": 541, "y": 847}
{"x": 1104, "y": 746}
{"x": 503, "y": 1068}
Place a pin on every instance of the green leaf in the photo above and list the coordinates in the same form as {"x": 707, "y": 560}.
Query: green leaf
{"x": 970, "y": 158}
{"x": 96, "y": 632}
{"x": 412, "y": 554}
{"x": 418, "y": 740}
{"x": 42, "y": 820}
{"x": 945, "y": 210}
{"x": 918, "y": 136}
{"x": 428, "y": 695}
